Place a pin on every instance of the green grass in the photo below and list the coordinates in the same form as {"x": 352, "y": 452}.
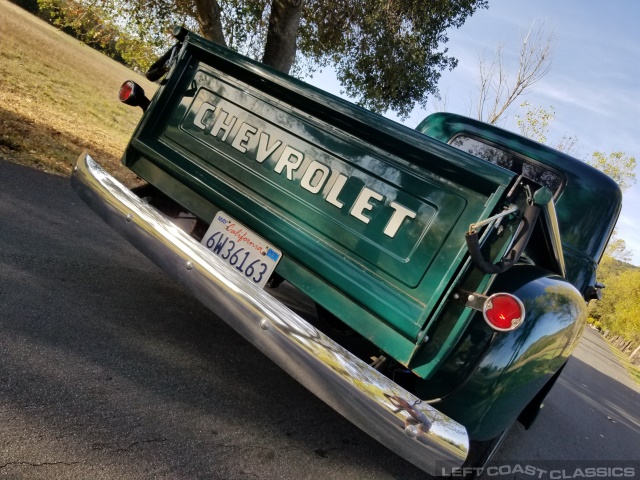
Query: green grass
{"x": 58, "y": 97}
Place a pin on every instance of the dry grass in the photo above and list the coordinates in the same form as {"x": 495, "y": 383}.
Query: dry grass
{"x": 634, "y": 371}
{"x": 58, "y": 98}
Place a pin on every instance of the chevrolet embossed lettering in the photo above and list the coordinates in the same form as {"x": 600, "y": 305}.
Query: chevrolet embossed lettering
{"x": 221, "y": 122}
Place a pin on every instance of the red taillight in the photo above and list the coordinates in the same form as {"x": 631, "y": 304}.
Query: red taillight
{"x": 126, "y": 90}
{"x": 503, "y": 312}
{"x": 132, "y": 94}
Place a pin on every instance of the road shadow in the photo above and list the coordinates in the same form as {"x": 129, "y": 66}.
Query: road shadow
{"x": 108, "y": 366}
{"x": 590, "y": 415}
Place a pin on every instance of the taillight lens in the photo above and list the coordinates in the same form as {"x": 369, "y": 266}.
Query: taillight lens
{"x": 132, "y": 94}
{"x": 126, "y": 90}
{"x": 503, "y": 312}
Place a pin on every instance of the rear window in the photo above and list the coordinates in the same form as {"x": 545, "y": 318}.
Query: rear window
{"x": 509, "y": 160}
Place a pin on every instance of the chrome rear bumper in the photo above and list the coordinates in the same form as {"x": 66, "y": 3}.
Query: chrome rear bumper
{"x": 390, "y": 414}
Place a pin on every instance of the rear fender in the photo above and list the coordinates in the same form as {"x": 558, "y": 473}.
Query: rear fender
{"x": 517, "y": 365}
{"x": 530, "y": 413}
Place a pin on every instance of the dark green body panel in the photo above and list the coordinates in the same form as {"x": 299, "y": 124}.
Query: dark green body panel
{"x": 490, "y": 377}
{"x": 588, "y": 205}
{"x": 293, "y": 164}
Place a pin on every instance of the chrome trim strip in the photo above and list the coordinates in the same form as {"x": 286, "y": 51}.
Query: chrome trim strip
{"x": 387, "y": 412}
{"x": 551, "y": 221}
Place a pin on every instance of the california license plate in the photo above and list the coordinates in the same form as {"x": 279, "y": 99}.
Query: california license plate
{"x": 248, "y": 253}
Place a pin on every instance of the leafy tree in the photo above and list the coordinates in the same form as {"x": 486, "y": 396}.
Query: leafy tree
{"x": 620, "y": 309}
{"x": 386, "y": 53}
{"x": 617, "y": 250}
{"x": 535, "y": 123}
{"x": 89, "y": 24}
{"x": 617, "y": 311}
{"x": 615, "y": 260}
{"x": 617, "y": 165}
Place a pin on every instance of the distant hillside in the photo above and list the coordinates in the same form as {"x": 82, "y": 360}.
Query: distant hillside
{"x": 612, "y": 267}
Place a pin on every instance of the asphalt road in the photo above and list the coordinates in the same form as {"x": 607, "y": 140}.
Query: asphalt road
{"x": 109, "y": 370}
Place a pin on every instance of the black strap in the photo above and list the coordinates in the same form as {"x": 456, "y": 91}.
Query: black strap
{"x": 510, "y": 259}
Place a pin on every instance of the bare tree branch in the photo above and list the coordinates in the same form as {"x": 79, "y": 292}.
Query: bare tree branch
{"x": 568, "y": 144}
{"x": 497, "y": 88}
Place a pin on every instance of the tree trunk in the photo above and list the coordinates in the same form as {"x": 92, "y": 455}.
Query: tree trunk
{"x": 280, "y": 48}
{"x": 208, "y": 16}
{"x": 635, "y": 352}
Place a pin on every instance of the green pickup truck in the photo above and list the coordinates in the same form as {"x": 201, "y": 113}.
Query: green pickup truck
{"x": 449, "y": 266}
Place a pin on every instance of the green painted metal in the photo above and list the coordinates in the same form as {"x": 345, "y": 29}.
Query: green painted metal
{"x": 370, "y": 215}
{"x": 490, "y": 378}
{"x": 587, "y": 206}
{"x": 452, "y": 320}
{"x": 487, "y": 378}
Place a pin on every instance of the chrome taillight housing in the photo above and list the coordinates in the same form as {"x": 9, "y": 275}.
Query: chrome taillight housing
{"x": 503, "y": 312}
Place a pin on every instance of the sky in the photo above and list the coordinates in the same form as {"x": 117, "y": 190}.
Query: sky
{"x": 593, "y": 84}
